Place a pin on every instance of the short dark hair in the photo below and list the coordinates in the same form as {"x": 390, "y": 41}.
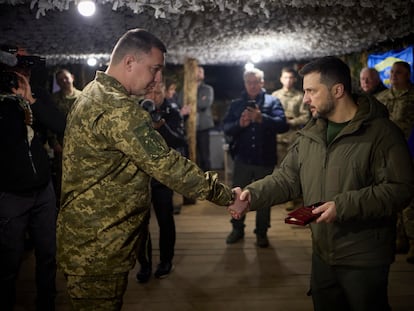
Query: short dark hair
{"x": 288, "y": 70}
{"x": 404, "y": 64}
{"x": 61, "y": 70}
{"x": 136, "y": 40}
{"x": 332, "y": 69}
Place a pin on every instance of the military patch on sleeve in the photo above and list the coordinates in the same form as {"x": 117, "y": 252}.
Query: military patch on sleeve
{"x": 152, "y": 142}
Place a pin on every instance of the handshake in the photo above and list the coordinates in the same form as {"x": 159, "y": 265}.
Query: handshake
{"x": 241, "y": 203}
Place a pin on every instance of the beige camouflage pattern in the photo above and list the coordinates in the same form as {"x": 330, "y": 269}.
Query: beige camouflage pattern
{"x": 87, "y": 291}
{"x": 400, "y": 105}
{"x": 295, "y": 112}
{"x": 110, "y": 152}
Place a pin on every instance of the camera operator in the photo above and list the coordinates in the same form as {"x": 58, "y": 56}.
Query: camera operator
{"x": 168, "y": 121}
{"x": 27, "y": 198}
{"x": 49, "y": 123}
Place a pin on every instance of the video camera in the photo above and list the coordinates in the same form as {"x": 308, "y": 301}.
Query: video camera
{"x": 10, "y": 58}
{"x": 251, "y": 103}
{"x": 10, "y": 62}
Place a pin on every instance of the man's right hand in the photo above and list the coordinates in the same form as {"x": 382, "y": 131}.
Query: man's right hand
{"x": 241, "y": 204}
{"x": 245, "y": 119}
{"x": 24, "y": 88}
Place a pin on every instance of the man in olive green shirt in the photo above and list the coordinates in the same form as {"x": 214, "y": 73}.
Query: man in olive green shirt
{"x": 295, "y": 111}
{"x": 110, "y": 153}
{"x": 357, "y": 180}
{"x": 63, "y": 99}
{"x": 296, "y": 116}
{"x": 66, "y": 96}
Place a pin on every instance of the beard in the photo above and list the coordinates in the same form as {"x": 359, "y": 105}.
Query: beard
{"x": 326, "y": 109}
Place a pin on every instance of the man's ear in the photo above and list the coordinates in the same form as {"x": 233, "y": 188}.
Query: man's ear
{"x": 338, "y": 90}
{"x": 128, "y": 60}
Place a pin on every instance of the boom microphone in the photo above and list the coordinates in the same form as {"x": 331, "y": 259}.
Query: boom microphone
{"x": 8, "y": 59}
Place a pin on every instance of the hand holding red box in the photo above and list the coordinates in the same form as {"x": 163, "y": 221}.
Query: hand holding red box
{"x": 303, "y": 215}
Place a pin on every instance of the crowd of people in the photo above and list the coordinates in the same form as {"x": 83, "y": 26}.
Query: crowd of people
{"x": 119, "y": 148}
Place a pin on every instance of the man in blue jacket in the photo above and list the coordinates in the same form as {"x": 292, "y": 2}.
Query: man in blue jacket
{"x": 251, "y": 124}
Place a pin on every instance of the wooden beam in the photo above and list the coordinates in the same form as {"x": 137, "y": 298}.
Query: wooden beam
{"x": 190, "y": 99}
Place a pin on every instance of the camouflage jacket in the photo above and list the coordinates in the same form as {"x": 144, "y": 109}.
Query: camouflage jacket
{"x": 110, "y": 153}
{"x": 295, "y": 111}
{"x": 400, "y": 106}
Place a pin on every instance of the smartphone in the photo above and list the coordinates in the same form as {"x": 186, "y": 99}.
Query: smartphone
{"x": 251, "y": 104}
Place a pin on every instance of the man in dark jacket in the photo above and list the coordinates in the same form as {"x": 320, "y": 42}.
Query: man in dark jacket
{"x": 370, "y": 81}
{"x": 352, "y": 158}
{"x": 252, "y": 123}
{"x": 27, "y": 199}
{"x": 168, "y": 121}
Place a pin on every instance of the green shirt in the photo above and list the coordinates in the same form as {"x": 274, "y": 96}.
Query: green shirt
{"x": 333, "y": 130}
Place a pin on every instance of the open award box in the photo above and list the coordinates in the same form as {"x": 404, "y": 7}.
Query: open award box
{"x": 302, "y": 215}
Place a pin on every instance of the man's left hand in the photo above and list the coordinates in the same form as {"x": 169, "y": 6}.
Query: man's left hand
{"x": 327, "y": 211}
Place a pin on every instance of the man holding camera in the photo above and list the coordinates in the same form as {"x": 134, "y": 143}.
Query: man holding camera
{"x": 252, "y": 123}
{"x": 27, "y": 198}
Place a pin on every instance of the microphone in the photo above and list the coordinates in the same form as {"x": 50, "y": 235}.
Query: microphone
{"x": 8, "y": 59}
{"x": 148, "y": 105}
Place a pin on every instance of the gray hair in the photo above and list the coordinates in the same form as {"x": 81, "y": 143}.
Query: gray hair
{"x": 254, "y": 71}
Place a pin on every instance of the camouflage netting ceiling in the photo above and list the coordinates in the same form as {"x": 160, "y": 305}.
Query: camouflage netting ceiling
{"x": 215, "y": 32}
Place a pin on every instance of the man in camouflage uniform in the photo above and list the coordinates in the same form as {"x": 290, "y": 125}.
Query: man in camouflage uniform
{"x": 399, "y": 100}
{"x": 63, "y": 99}
{"x": 66, "y": 96}
{"x": 110, "y": 153}
{"x": 296, "y": 116}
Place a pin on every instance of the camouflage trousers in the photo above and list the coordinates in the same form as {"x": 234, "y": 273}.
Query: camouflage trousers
{"x": 97, "y": 292}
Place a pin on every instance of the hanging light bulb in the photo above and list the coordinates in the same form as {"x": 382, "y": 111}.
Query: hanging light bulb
{"x": 248, "y": 66}
{"x": 256, "y": 58}
{"x": 92, "y": 61}
{"x": 86, "y": 7}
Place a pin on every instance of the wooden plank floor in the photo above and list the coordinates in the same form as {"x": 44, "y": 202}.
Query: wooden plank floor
{"x": 210, "y": 275}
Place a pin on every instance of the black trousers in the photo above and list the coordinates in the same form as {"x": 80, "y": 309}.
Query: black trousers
{"x": 203, "y": 149}
{"x": 162, "y": 202}
{"x": 244, "y": 174}
{"x": 346, "y": 288}
{"x": 34, "y": 213}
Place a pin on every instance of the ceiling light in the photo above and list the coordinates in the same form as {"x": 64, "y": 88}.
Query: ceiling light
{"x": 256, "y": 58}
{"x": 248, "y": 66}
{"x": 92, "y": 61}
{"x": 86, "y": 7}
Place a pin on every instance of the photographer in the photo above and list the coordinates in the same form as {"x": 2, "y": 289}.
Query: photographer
{"x": 167, "y": 120}
{"x": 27, "y": 198}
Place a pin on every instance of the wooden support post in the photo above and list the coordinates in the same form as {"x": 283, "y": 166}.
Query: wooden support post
{"x": 190, "y": 98}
